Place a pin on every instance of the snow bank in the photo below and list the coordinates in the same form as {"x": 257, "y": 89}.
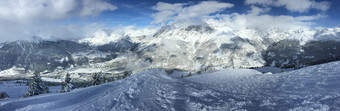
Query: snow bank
{"x": 51, "y": 79}
{"x": 86, "y": 70}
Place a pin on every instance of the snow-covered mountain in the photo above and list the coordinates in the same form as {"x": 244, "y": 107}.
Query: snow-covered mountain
{"x": 19, "y": 58}
{"x": 175, "y": 46}
{"x": 195, "y": 46}
{"x": 228, "y": 89}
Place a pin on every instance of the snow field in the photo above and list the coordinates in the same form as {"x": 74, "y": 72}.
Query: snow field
{"x": 311, "y": 88}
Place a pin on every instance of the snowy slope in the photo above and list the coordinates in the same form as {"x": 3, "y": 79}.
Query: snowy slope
{"x": 311, "y": 88}
{"x": 210, "y": 43}
{"x": 17, "y": 88}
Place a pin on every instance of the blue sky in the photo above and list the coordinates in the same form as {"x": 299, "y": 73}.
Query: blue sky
{"x": 139, "y": 12}
{"x": 74, "y": 19}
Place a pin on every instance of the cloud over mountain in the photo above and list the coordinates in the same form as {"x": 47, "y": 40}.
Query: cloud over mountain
{"x": 19, "y": 19}
{"x": 59, "y": 19}
{"x": 256, "y": 17}
{"x": 183, "y": 12}
{"x": 293, "y": 5}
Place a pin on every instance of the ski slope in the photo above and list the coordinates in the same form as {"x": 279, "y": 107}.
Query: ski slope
{"x": 311, "y": 88}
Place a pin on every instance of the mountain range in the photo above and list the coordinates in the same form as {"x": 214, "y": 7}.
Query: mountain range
{"x": 188, "y": 47}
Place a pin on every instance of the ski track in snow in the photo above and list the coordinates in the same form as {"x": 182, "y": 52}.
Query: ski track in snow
{"x": 311, "y": 88}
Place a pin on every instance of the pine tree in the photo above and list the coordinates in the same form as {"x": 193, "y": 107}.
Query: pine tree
{"x": 105, "y": 80}
{"x": 190, "y": 74}
{"x": 36, "y": 86}
{"x": 111, "y": 79}
{"x": 126, "y": 74}
{"x": 3, "y": 95}
{"x": 67, "y": 85}
{"x": 96, "y": 79}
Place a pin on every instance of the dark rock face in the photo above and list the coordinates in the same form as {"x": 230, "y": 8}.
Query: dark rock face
{"x": 119, "y": 46}
{"x": 40, "y": 56}
{"x": 290, "y": 52}
{"x": 199, "y": 28}
{"x": 48, "y": 55}
{"x": 282, "y": 53}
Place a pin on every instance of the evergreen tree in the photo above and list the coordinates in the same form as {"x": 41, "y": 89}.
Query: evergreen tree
{"x": 110, "y": 79}
{"x": 67, "y": 85}
{"x": 3, "y": 95}
{"x": 119, "y": 77}
{"x": 126, "y": 74}
{"x": 96, "y": 79}
{"x": 36, "y": 86}
{"x": 190, "y": 74}
{"x": 105, "y": 80}
{"x": 113, "y": 79}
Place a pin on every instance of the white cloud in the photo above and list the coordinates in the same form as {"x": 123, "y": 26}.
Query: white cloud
{"x": 254, "y": 22}
{"x": 166, "y": 11}
{"x": 256, "y": 10}
{"x": 263, "y": 22}
{"x": 183, "y": 12}
{"x": 18, "y": 18}
{"x": 261, "y": 2}
{"x": 308, "y": 18}
{"x": 256, "y": 17}
{"x": 293, "y": 5}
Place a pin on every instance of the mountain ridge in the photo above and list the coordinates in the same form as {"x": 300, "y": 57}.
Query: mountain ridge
{"x": 187, "y": 47}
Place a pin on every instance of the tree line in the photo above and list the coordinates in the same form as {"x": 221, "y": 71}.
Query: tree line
{"x": 37, "y": 86}
{"x": 314, "y": 62}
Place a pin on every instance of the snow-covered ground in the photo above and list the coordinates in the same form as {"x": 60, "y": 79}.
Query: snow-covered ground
{"x": 311, "y": 88}
{"x": 272, "y": 70}
{"x": 18, "y": 88}
{"x": 51, "y": 80}
{"x": 14, "y": 88}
